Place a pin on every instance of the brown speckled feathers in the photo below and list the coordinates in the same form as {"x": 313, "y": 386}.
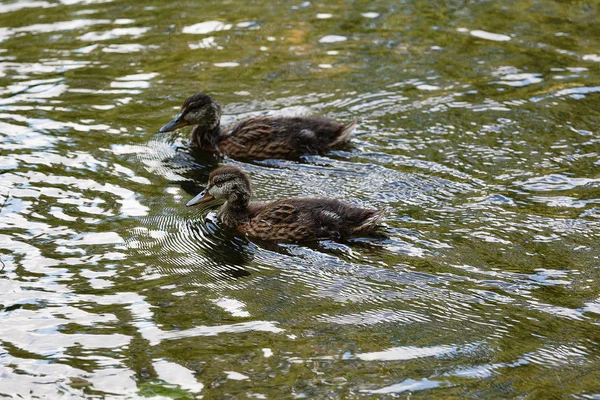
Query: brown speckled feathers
{"x": 282, "y": 137}
{"x": 287, "y": 220}
{"x": 308, "y": 219}
{"x": 258, "y": 138}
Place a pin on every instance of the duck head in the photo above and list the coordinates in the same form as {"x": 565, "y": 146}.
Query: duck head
{"x": 198, "y": 109}
{"x": 226, "y": 183}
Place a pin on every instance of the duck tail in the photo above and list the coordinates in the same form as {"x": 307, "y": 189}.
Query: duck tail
{"x": 344, "y": 135}
{"x": 370, "y": 223}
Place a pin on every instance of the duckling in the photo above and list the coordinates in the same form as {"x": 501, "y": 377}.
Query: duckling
{"x": 286, "y": 220}
{"x": 260, "y": 137}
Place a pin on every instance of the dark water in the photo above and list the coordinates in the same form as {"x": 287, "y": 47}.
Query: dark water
{"x": 478, "y": 129}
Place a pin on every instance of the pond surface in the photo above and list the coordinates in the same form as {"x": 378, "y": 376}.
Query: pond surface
{"x": 478, "y": 128}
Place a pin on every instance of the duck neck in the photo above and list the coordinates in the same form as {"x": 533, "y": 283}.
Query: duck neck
{"x": 235, "y": 210}
{"x": 205, "y": 137}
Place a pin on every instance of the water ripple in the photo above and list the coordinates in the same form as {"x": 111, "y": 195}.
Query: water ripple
{"x": 481, "y": 141}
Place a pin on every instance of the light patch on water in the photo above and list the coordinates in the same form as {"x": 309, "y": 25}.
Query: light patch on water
{"x": 407, "y": 353}
{"x": 111, "y": 91}
{"x": 39, "y": 331}
{"x": 477, "y": 372}
{"x": 593, "y": 306}
{"x": 135, "y": 81}
{"x": 557, "y": 356}
{"x": 84, "y": 12}
{"x": 45, "y": 66}
{"x": 6, "y": 33}
{"x": 22, "y": 137}
{"x": 97, "y": 283}
{"x": 495, "y": 199}
{"x": 39, "y": 379}
{"x": 86, "y": 49}
{"x": 591, "y": 57}
{"x": 236, "y": 376}
{"x": 38, "y": 93}
{"x": 324, "y": 16}
{"x": 333, "y": 39}
{"x": 304, "y": 4}
{"x": 176, "y": 374}
{"x": 246, "y": 24}
{"x": 373, "y": 317}
{"x": 267, "y": 352}
{"x": 84, "y": 2}
{"x": 230, "y": 64}
{"x": 428, "y": 87}
{"x": 124, "y": 48}
{"x": 57, "y": 212}
{"x": 578, "y": 92}
{"x": 488, "y": 237}
{"x": 57, "y": 26}
{"x": 114, "y": 380}
{"x": 130, "y": 84}
{"x": 257, "y": 395}
{"x": 130, "y": 206}
{"x": 407, "y": 385}
{"x": 562, "y": 312}
{"x": 206, "y": 43}
{"x": 564, "y": 201}
{"x": 370, "y": 15}
{"x": 10, "y": 7}
{"x": 519, "y": 80}
{"x": 497, "y": 37}
{"x": 75, "y": 159}
{"x": 232, "y": 306}
{"x": 93, "y": 238}
{"x": 113, "y": 34}
{"x": 153, "y": 158}
{"x": 155, "y": 335}
{"x": 123, "y": 21}
{"x": 130, "y": 174}
{"x": 555, "y": 182}
{"x": 203, "y": 28}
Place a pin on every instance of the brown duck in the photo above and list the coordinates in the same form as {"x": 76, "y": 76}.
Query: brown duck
{"x": 257, "y": 138}
{"x": 288, "y": 220}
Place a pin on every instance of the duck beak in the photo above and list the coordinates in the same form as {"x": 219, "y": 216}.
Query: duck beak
{"x": 202, "y": 197}
{"x": 176, "y": 123}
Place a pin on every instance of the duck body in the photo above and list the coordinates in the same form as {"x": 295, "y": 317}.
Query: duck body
{"x": 286, "y": 220}
{"x": 306, "y": 219}
{"x": 260, "y": 137}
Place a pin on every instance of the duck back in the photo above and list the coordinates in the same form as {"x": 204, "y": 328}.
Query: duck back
{"x": 308, "y": 219}
{"x": 282, "y": 137}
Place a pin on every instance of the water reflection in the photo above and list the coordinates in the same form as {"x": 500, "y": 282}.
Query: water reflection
{"x": 481, "y": 139}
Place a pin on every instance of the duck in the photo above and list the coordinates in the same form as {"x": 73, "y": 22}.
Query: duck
{"x": 284, "y": 220}
{"x": 258, "y": 138}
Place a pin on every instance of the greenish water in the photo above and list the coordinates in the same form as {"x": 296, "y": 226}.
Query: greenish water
{"x": 478, "y": 129}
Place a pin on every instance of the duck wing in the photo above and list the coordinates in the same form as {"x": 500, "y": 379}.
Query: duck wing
{"x": 283, "y": 137}
{"x": 312, "y": 134}
{"x": 280, "y": 221}
{"x": 308, "y": 219}
{"x": 255, "y": 138}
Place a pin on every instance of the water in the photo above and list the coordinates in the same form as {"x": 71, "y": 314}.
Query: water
{"x": 478, "y": 129}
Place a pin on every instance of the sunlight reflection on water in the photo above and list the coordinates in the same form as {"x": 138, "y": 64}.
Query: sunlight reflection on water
{"x": 482, "y": 142}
